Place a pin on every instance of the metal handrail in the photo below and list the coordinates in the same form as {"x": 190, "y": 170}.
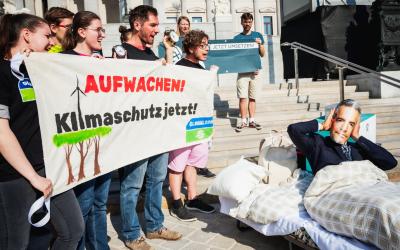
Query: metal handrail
{"x": 341, "y": 64}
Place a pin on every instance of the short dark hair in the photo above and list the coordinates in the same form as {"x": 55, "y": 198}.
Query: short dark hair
{"x": 349, "y": 103}
{"x": 141, "y": 13}
{"x": 55, "y": 15}
{"x": 193, "y": 39}
{"x": 246, "y": 16}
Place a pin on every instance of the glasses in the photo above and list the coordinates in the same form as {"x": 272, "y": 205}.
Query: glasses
{"x": 65, "y": 26}
{"x": 204, "y": 46}
{"x": 99, "y": 30}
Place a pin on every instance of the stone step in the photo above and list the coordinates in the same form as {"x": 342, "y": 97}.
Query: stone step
{"x": 277, "y": 92}
{"x": 390, "y": 142}
{"x": 302, "y": 97}
{"x": 316, "y": 98}
{"x": 284, "y": 86}
{"x": 388, "y": 129}
{"x": 261, "y": 109}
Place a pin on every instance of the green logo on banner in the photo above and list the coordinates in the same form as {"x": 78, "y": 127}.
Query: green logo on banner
{"x": 198, "y": 134}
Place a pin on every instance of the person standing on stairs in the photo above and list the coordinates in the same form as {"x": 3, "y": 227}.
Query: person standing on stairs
{"x": 246, "y": 82}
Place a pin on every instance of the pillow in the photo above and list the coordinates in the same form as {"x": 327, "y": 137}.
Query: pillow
{"x": 278, "y": 156}
{"x": 237, "y": 180}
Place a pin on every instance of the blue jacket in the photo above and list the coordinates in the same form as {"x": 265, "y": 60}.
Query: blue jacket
{"x": 322, "y": 151}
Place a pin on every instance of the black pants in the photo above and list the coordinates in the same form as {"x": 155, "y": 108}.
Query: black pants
{"x": 16, "y": 198}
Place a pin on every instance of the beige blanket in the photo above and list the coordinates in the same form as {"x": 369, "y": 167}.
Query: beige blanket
{"x": 356, "y": 199}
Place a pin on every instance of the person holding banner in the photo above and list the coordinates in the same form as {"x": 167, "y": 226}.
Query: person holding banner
{"x": 84, "y": 39}
{"x": 144, "y": 25}
{"x": 59, "y": 19}
{"x": 22, "y": 171}
{"x": 184, "y": 161}
{"x": 246, "y": 82}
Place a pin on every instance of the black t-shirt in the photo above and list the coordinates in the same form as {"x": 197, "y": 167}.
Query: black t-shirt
{"x": 187, "y": 63}
{"x": 71, "y": 52}
{"x": 24, "y": 120}
{"x": 138, "y": 54}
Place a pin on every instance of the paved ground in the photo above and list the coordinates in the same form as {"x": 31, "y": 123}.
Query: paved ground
{"x": 210, "y": 231}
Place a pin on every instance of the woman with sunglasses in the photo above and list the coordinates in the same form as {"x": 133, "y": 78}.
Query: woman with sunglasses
{"x": 22, "y": 171}
{"x": 84, "y": 38}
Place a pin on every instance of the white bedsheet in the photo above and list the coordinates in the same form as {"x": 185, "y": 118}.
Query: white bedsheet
{"x": 322, "y": 238}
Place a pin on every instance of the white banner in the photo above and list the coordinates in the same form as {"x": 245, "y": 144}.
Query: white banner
{"x": 97, "y": 115}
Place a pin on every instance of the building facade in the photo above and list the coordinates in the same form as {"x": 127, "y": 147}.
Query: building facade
{"x": 266, "y": 12}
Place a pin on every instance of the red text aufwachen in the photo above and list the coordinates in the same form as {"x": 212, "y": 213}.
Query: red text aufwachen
{"x": 106, "y": 84}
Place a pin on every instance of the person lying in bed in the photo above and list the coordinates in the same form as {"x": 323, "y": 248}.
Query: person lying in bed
{"x": 343, "y": 122}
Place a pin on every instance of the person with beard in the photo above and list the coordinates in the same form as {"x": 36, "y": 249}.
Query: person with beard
{"x": 246, "y": 82}
{"x": 144, "y": 26}
{"x": 183, "y": 162}
{"x": 84, "y": 38}
{"x": 343, "y": 122}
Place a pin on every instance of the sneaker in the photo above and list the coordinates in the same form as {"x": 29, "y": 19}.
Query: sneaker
{"x": 255, "y": 125}
{"x": 198, "y": 205}
{"x": 165, "y": 234}
{"x": 139, "y": 244}
{"x": 205, "y": 172}
{"x": 240, "y": 127}
{"x": 182, "y": 214}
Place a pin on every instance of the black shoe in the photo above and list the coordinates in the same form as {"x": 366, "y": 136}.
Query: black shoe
{"x": 240, "y": 127}
{"x": 182, "y": 214}
{"x": 198, "y": 205}
{"x": 255, "y": 125}
{"x": 205, "y": 172}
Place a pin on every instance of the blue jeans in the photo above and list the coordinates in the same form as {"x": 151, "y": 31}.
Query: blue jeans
{"x": 92, "y": 198}
{"x": 155, "y": 170}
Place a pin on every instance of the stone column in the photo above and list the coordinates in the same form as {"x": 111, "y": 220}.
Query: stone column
{"x": 210, "y": 13}
{"x": 258, "y": 17}
{"x": 235, "y": 4}
{"x": 184, "y": 8}
{"x": 38, "y": 6}
{"x": 223, "y": 19}
{"x": 160, "y": 6}
{"x": 97, "y": 7}
{"x": 57, "y": 3}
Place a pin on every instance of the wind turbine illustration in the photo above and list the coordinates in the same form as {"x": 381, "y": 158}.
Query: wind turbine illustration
{"x": 78, "y": 91}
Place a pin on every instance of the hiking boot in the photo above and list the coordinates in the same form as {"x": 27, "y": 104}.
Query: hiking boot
{"x": 182, "y": 214}
{"x": 205, "y": 172}
{"x": 198, "y": 205}
{"x": 165, "y": 234}
{"x": 255, "y": 125}
{"x": 139, "y": 244}
{"x": 240, "y": 127}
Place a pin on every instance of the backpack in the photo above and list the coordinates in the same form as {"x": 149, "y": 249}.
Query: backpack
{"x": 278, "y": 156}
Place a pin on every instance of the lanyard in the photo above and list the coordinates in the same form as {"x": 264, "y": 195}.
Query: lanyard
{"x": 38, "y": 204}
{"x": 16, "y": 62}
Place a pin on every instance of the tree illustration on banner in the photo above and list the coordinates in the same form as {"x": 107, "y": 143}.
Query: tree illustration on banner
{"x": 83, "y": 141}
